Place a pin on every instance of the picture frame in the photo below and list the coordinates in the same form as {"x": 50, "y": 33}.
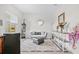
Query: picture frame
{"x": 1, "y": 22}
{"x": 61, "y": 18}
{"x": 11, "y": 28}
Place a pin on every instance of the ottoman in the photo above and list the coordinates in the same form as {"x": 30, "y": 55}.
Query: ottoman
{"x": 38, "y": 41}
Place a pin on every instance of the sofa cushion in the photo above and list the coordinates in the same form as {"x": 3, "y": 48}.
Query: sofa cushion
{"x": 35, "y": 33}
{"x": 38, "y": 33}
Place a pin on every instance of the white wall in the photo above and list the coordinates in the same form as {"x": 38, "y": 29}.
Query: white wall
{"x": 31, "y": 20}
{"x": 32, "y": 23}
{"x": 3, "y": 15}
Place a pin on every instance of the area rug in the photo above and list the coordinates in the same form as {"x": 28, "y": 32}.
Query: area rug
{"x": 27, "y": 45}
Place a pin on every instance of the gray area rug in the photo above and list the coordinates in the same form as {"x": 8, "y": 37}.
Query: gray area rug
{"x": 27, "y": 46}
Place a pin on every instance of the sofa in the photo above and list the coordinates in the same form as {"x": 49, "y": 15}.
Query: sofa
{"x": 38, "y": 37}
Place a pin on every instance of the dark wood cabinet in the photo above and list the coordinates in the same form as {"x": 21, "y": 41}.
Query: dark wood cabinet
{"x": 1, "y": 44}
{"x": 12, "y": 43}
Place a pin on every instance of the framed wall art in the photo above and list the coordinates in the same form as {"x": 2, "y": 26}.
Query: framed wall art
{"x": 1, "y": 22}
{"x": 12, "y": 28}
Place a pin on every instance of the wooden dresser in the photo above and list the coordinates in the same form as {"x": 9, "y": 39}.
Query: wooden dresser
{"x": 1, "y": 44}
{"x": 12, "y": 43}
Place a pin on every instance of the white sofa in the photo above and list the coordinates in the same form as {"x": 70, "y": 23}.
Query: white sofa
{"x": 38, "y": 37}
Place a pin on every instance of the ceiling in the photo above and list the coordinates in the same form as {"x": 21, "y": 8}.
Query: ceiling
{"x": 36, "y": 8}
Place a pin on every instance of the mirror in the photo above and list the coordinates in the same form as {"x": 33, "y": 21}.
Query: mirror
{"x": 40, "y": 22}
